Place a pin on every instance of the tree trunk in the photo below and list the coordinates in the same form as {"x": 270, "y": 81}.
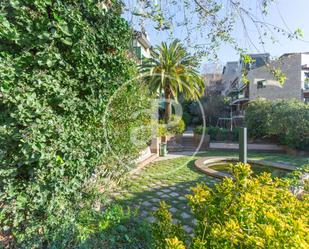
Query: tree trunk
{"x": 167, "y": 114}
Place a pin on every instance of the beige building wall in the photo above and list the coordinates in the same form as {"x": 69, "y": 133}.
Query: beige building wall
{"x": 291, "y": 65}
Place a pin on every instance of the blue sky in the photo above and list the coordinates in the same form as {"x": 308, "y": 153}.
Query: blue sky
{"x": 289, "y": 14}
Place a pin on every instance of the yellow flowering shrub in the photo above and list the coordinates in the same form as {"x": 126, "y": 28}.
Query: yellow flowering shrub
{"x": 249, "y": 212}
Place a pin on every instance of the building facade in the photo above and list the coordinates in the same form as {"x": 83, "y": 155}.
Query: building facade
{"x": 295, "y": 67}
{"x": 141, "y": 46}
{"x": 263, "y": 83}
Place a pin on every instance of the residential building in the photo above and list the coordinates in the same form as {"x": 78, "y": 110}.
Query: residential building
{"x": 294, "y": 66}
{"x": 238, "y": 90}
{"x": 141, "y": 46}
{"x": 213, "y": 84}
{"x": 230, "y": 75}
{"x": 263, "y": 83}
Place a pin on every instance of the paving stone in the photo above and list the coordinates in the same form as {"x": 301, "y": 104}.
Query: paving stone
{"x": 173, "y": 188}
{"x": 175, "y": 202}
{"x": 182, "y": 198}
{"x": 155, "y": 200}
{"x": 166, "y": 190}
{"x": 144, "y": 213}
{"x": 146, "y": 204}
{"x": 151, "y": 219}
{"x": 185, "y": 215}
{"x": 174, "y": 194}
{"x": 152, "y": 185}
{"x": 175, "y": 221}
{"x": 165, "y": 196}
{"x": 173, "y": 210}
{"x": 160, "y": 193}
{"x": 188, "y": 229}
{"x": 153, "y": 209}
{"x": 194, "y": 222}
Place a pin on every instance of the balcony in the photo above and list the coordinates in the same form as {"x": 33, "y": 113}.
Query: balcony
{"x": 239, "y": 98}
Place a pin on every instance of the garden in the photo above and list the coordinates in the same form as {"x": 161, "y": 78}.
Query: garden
{"x": 76, "y": 111}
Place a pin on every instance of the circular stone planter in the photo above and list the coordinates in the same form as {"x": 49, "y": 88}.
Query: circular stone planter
{"x": 205, "y": 163}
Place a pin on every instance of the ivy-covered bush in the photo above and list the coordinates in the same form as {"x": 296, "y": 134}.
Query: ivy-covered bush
{"x": 247, "y": 212}
{"x": 60, "y": 64}
{"x": 288, "y": 120}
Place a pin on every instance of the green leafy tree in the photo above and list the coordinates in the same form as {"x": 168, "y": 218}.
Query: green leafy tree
{"x": 173, "y": 70}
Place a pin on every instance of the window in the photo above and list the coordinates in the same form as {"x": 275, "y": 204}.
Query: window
{"x": 261, "y": 84}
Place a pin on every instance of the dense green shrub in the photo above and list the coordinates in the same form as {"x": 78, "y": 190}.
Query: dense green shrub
{"x": 223, "y": 134}
{"x": 287, "y": 120}
{"x": 187, "y": 118}
{"x": 290, "y": 122}
{"x": 200, "y": 129}
{"x": 258, "y": 118}
{"x": 60, "y": 63}
{"x": 248, "y": 212}
{"x": 211, "y": 107}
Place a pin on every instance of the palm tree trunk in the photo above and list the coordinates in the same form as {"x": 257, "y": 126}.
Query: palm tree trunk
{"x": 167, "y": 114}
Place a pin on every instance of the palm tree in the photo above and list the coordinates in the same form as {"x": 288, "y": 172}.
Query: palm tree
{"x": 173, "y": 70}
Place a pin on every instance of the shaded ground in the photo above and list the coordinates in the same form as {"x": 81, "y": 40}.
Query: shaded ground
{"x": 171, "y": 180}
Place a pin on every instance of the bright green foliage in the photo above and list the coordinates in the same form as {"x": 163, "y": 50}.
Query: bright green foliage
{"x": 248, "y": 213}
{"x": 173, "y": 70}
{"x": 286, "y": 119}
{"x": 60, "y": 62}
{"x": 164, "y": 230}
{"x": 258, "y": 115}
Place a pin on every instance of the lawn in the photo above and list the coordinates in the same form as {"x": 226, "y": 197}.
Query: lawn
{"x": 170, "y": 180}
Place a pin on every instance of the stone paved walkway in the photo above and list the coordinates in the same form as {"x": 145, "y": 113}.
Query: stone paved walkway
{"x": 170, "y": 179}
{"x": 148, "y": 200}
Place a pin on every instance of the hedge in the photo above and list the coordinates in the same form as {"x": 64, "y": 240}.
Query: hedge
{"x": 218, "y": 133}
{"x": 60, "y": 63}
{"x": 288, "y": 120}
